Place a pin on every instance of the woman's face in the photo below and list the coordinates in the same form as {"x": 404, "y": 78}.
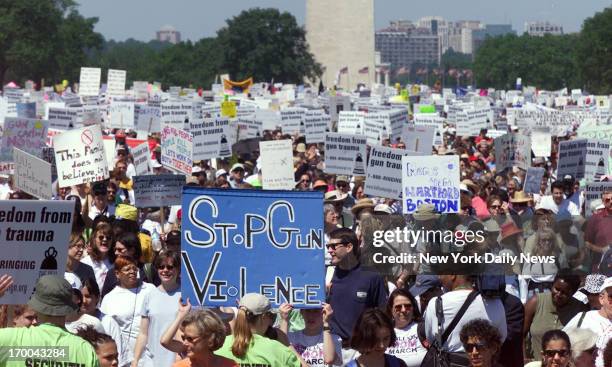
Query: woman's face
{"x": 195, "y": 343}
{"x": 383, "y": 340}
{"x": 90, "y": 301}
{"x": 479, "y": 352}
{"x": 102, "y": 241}
{"x": 556, "y": 354}
{"x": 75, "y": 250}
{"x": 331, "y": 218}
{"x": 107, "y": 354}
{"x": 122, "y": 250}
{"x": 359, "y": 193}
{"x": 546, "y": 243}
{"x": 313, "y": 318}
{"x": 495, "y": 207}
{"x": 561, "y": 292}
{"x": 402, "y": 311}
{"x": 128, "y": 276}
{"x": 167, "y": 271}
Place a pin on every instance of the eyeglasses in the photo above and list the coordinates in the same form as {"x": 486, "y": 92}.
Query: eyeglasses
{"x": 341, "y": 184}
{"x": 77, "y": 244}
{"x": 167, "y": 267}
{"x": 190, "y": 339}
{"x": 607, "y": 200}
{"x": 470, "y": 346}
{"x": 495, "y": 206}
{"x": 550, "y": 353}
{"x": 399, "y": 308}
{"x": 128, "y": 270}
{"x": 334, "y": 245}
{"x": 305, "y": 181}
{"x": 103, "y": 237}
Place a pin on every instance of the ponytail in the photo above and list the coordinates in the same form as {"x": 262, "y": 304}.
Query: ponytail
{"x": 242, "y": 332}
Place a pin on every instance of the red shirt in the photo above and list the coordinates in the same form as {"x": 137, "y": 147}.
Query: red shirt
{"x": 599, "y": 229}
{"x": 220, "y": 362}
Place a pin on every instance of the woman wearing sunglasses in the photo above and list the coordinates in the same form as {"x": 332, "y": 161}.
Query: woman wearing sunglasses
{"x": 481, "y": 342}
{"x": 556, "y": 349}
{"x": 402, "y": 308}
{"x": 99, "y": 250}
{"x": 160, "y": 307}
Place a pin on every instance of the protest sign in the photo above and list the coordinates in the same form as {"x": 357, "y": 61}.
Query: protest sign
{"x": 292, "y": 120}
{"x": 176, "y": 114}
{"x": 345, "y": 154}
{"x": 533, "y": 180}
{"x": 176, "y": 149}
{"x": 384, "y": 172}
{"x": 512, "y": 150}
{"x": 32, "y": 175}
{"x": 148, "y": 119}
{"x": 316, "y": 123}
{"x": 7, "y": 168}
{"x": 212, "y": 138}
{"x": 419, "y": 138}
{"x": 115, "y": 82}
{"x": 228, "y": 109}
{"x": 277, "y": 165}
{"x": 596, "y": 164}
{"x": 34, "y": 237}
{"x": 351, "y": 122}
{"x": 121, "y": 114}
{"x": 26, "y": 110}
{"x": 376, "y": 127}
{"x": 142, "y": 156}
{"x": 249, "y": 127}
{"x": 13, "y": 95}
{"x": 593, "y": 192}
{"x": 601, "y": 132}
{"x": 61, "y": 118}
{"x": 433, "y": 180}
{"x": 158, "y": 190}
{"x": 28, "y": 135}
{"x": 269, "y": 119}
{"x": 242, "y": 241}
{"x": 109, "y": 151}
{"x": 583, "y": 158}
{"x": 541, "y": 142}
{"x": 80, "y": 156}
{"x": 89, "y": 81}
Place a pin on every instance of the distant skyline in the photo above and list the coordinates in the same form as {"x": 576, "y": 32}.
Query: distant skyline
{"x": 195, "y": 19}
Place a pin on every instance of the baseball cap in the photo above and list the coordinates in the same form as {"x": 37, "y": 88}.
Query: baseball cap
{"x": 255, "y": 303}
{"x": 53, "y": 296}
{"x": 127, "y": 212}
{"x": 220, "y": 172}
{"x": 237, "y": 166}
{"x": 424, "y": 283}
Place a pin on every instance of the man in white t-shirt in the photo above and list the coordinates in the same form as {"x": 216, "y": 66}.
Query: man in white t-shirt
{"x": 558, "y": 203}
{"x": 458, "y": 288}
{"x": 598, "y": 321}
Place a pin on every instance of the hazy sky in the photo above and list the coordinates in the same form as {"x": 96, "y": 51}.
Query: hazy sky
{"x": 139, "y": 19}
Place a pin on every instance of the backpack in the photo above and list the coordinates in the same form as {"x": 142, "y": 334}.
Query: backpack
{"x": 436, "y": 356}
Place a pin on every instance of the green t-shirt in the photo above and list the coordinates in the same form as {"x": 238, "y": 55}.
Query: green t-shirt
{"x": 44, "y": 345}
{"x": 262, "y": 352}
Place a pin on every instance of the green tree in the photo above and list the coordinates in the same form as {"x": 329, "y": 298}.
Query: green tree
{"x": 594, "y": 52}
{"x": 266, "y": 44}
{"x": 42, "y": 38}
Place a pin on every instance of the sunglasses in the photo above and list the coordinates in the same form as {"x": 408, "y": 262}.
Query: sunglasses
{"x": 103, "y": 237}
{"x": 550, "y": 353}
{"x": 470, "y": 346}
{"x": 399, "y": 308}
{"x": 334, "y": 245}
{"x": 495, "y": 206}
{"x": 190, "y": 339}
{"x": 167, "y": 267}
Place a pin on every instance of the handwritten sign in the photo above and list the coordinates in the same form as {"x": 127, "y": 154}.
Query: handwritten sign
{"x": 158, "y": 190}
{"x": 533, "y": 180}
{"x": 115, "y": 82}
{"x": 32, "y": 175}
{"x": 89, "y": 81}
{"x": 277, "y": 165}
{"x": 28, "y": 135}
{"x": 433, "y": 180}
{"x": 230, "y": 238}
{"x": 512, "y": 150}
{"x": 177, "y": 149}
{"x": 147, "y": 119}
{"x": 345, "y": 154}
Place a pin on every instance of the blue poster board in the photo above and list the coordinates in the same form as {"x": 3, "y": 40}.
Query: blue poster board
{"x": 243, "y": 241}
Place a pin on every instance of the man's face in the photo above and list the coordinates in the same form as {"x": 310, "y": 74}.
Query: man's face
{"x": 100, "y": 200}
{"x": 343, "y": 186}
{"x": 338, "y": 250}
{"x": 238, "y": 174}
{"x": 557, "y": 195}
{"x": 605, "y": 298}
{"x": 120, "y": 169}
{"x": 607, "y": 200}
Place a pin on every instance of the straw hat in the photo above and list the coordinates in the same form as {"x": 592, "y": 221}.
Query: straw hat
{"x": 520, "y": 197}
{"x": 335, "y": 196}
{"x": 426, "y": 212}
{"x": 362, "y": 204}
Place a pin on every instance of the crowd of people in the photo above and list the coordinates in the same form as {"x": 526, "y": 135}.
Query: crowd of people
{"x": 119, "y": 301}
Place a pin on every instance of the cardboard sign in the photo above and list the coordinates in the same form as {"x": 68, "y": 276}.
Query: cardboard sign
{"x": 212, "y": 138}
{"x": 158, "y": 190}
{"x": 277, "y": 165}
{"x": 249, "y": 127}
{"x": 433, "y": 180}
{"x": 115, "y": 82}
{"x": 533, "y": 180}
{"x": 541, "y": 143}
{"x": 228, "y": 109}
{"x": 345, "y": 154}
{"x": 316, "y": 123}
{"x": 419, "y": 138}
{"x": 351, "y": 122}
{"x": 230, "y": 238}
{"x": 89, "y": 81}
{"x": 292, "y": 120}
{"x": 28, "y": 135}
{"x": 32, "y": 175}
{"x": 593, "y": 192}
{"x": 384, "y": 172}
{"x": 148, "y": 119}
{"x": 34, "y": 237}
{"x": 61, "y": 118}
{"x": 121, "y": 114}
{"x": 512, "y": 150}
{"x": 142, "y": 156}
{"x": 583, "y": 158}
{"x": 80, "y": 156}
{"x": 176, "y": 114}
{"x": 177, "y": 149}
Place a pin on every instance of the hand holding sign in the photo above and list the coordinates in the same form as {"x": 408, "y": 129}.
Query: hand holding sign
{"x": 5, "y": 282}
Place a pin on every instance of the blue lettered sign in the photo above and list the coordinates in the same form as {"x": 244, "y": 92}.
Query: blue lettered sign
{"x": 243, "y": 241}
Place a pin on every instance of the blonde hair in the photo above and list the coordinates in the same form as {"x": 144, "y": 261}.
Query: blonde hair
{"x": 209, "y": 325}
{"x": 242, "y": 331}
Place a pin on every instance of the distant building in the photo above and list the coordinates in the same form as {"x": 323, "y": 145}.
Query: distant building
{"x": 490, "y": 30}
{"x": 168, "y": 34}
{"x": 403, "y": 47}
{"x": 540, "y": 28}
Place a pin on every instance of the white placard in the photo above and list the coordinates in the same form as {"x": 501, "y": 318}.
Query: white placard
{"x": 277, "y": 165}
{"x": 142, "y": 156}
{"x": 512, "y": 150}
{"x": 345, "y": 154}
{"x": 583, "y": 158}
{"x": 176, "y": 114}
{"x": 158, "y": 190}
{"x": 292, "y": 120}
{"x": 384, "y": 172}
{"x": 89, "y": 82}
{"x": 121, "y": 115}
{"x": 433, "y": 180}
{"x": 34, "y": 237}
{"x": 316, "y": 124}
{"x": 109, "y": 152}
{"x": 541, "y": 143}
{"x": 592, "y": 192}
{"x": 212, "y": 138}
{"x": 351, "y": 122}
{"x": 115, "y": 82}
{"x": 80, "y": 156}
{"x": 249, "y": 127}
{"x": 177, "y": 149}
{"x": 148, "y": 119}
{"x": 376, "y": 127}
{"x": 61, "y": 118}
{"x": 32, "y": 175}
{"x": 419, "y": 138}
{"x": 269, "y": 119}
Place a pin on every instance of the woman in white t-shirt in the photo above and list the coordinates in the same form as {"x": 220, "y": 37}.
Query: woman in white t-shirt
{"x": 125, "y": 301}
{"x": 402, "y": 307}
{"x": 315, "y": 344}
{"x": 98, "y": 250}
{"x": 160, "y": 307}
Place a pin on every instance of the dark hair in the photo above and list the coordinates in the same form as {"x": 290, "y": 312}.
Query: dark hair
{"x": 557, "y": 185}
{"x": 131, "y": 242}
{"x": 346, "y": 235}
{"x": 79, "y": 295}
{"x": 364, "y": 332}
{"x": 167, "y": 254}
{"x": 555, "y": 335}
{"x": 355, "y": 188}
{"x": 492, "y": 198}
{"x": 416, "y": 314}
{"x": 92, "y": 287}
{"x": 483, "y": 330}
{"x": 570, "y": 277}
{"x": 101, "y": 228}
{"x": 95, "y": 338}
{"x": 607, "y": 354}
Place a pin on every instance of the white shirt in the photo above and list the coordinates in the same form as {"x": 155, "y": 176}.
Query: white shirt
{"x": 566, "y": 206}
{"x": 598, "y": 324}
{"x": 408, "y": 347}
{"x": 490, "y": 309}
{"x": 161, "y": 309}
{"x": 100, "y": 268}
{"x": 311, "y": 347}
{"x": 84, "y": 321}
